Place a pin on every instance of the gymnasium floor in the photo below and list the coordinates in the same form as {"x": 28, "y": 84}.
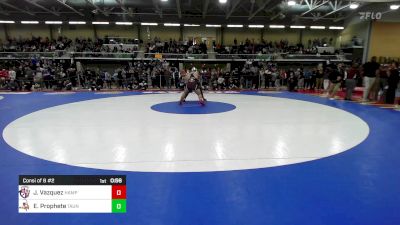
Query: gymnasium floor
{"x": 275, "y": 158}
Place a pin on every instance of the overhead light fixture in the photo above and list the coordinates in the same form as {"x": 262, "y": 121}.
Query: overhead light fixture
{"x": 100, "y": 23}
{"x": 149, "y": 24}
{"x": 53, "y": 22}
{"x": 235, "y": 25}
{"x": 276, "y": 26}
{"x": 6, "y": 21}
{"x": 213, "y": 25}
{"x": 191, "y": 25}
{"x": 354, "y": 5}
{"x": 394, "y": 7}
{"x": 317, "y": 27}
{"x": 30, "y": 22}
{"x": 124, "y": 23}
{"x": 77, "y": 22}
{"x": 164, "y": 0}
{"x": 291, "y": 2}
{"x": 297, "y": 27}
{"x": 223, "y": 1}
{"x": 256, "y": 26}
{"x": 336, "y": 28}
{"x": 172, "y": 24}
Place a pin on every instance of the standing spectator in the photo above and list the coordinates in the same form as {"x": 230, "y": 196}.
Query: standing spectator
{"x": 274, "y": 76}
{"x": 335, "y": 78}
{"x": 47, "y": 79}
{"x": 227, "y": 76}
{"x": 291, "y": 81}
{"x": 313, "y": 79}
{"x": 383, "y": 82}
{"x": 182, "y": 75}
{"x": 278, "y": 79}
{"x": 374, "y": 90}
{"x": 256, "y": 78}
{"x": 350, "y": 82}
{"x": 124, "y": 80}
{"x": 107, "y": 78}
{"x": 284, "y": 77}
{"x": 167, "y": 77}
{"x": 71, "y": 72}
{"x": 261, "y": 74}
{"x": 369, "y": 72}
{"x": 19, "y": 77}
{"x": 174, "y": 77}
{"x": 307, "y": 79}
{"x": 300, "y": 77}
{"x": 268, "y": 78}
{"x": 120, "y": 79}
{"x": 12, "y": 74}
{"x": 235, "y": 76}
{"x": 160, "y": 78}
{"x": 319, "y": 74}
{"x": 153, "y": 78}
{"x": 393, "y": 80}
{"x": 247, "y": 76}
{"x": 81, "y": 78}
{"x": 325, "y": 78}
{"x": 214, "y": 77}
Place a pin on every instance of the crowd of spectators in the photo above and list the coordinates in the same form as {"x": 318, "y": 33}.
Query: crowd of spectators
{"x": 38, "y": 74}
{"x": 380, "y": 81}
{"x": 249, "y": 47}
{"x": 40, "y": 44}
{"x": 27, "y": 75}
{"x": 176, "y": 47}
{"x": 107, "y": 45}
{"x": 270, "y": 47}
{"x": 117, "y": 45}
{"x": 35, "y": 44}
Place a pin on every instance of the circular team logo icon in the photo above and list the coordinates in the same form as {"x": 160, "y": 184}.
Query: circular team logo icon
{"x": 25, "y": 205}
{"x": 24, "y": 192}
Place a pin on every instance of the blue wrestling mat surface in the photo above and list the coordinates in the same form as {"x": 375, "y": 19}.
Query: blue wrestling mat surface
{"x": 359, "y": 186}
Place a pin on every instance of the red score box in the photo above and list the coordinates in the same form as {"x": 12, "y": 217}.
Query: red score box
{"x": 119, "y": 192}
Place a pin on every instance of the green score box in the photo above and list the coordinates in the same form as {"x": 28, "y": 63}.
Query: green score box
{"x": 119, "y": 206}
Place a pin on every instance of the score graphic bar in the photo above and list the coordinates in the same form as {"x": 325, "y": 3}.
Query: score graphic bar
{"x": 72, "y": 194}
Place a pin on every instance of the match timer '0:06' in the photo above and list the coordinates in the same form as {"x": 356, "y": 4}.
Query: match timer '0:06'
{"x": 116, "y": 180}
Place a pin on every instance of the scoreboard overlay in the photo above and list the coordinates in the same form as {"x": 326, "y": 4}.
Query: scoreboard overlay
{"x": 72, "y": 194}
